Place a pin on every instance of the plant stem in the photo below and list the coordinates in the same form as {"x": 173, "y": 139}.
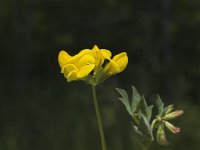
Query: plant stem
{"x": 103, "y": 143}
{"x": 153, "y": 123}
{"x": 146, "y": 146}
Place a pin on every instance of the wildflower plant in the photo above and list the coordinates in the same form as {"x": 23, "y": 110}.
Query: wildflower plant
{"x": 92, "y": 66}
{"x": 96, "y": 65}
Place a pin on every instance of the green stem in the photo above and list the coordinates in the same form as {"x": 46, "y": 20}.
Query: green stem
{"x": 103, "y": 143}
{"x": 146, "y": 146}
{"x": 153, "y": 123}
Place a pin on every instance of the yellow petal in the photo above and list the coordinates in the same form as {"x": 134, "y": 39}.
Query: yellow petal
{"x": 85, "y": 59}
{"x": 106, "y": 53}
{"x": 72, "y": 76}
{"x": 95, "y": 48}
{"x": 84, "y": 71}
{"x": 63, "y": 58}
{"x": 112, "y": 68}
{"x": 122, "y": 61}
{"x": 67, "y": 69}
{"x": 115, "y": 67}
{"x": 97, "y": 58}
{"x": 101, "y": 55}
{"x": 119, "y": 56}
{"x": 107, "y": 67}
{"x": 84, "y": 51}
{"x": 75, "y": 58}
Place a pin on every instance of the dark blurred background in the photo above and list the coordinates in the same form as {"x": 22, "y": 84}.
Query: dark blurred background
{"x": 39, "y": 110}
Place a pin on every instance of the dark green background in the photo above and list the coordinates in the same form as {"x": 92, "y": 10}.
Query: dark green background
{"x": 39, "y": 110}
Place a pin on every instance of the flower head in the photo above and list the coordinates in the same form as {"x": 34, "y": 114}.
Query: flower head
{"x": 165, "y": 114}
{"x": 90, "y": 65}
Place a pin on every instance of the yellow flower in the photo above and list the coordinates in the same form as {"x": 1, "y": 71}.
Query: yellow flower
{"x": 88, "y": 65}
{"x": 117, "y": 64}
{"x": 76, "y": 67}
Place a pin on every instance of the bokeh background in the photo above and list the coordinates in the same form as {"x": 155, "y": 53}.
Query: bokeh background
{"x": 39, "y": 110}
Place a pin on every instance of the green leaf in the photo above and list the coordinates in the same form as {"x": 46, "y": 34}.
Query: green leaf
{"x": 143, "y": 106}
{"x": 149, "y": 112}
{"x": 146, "y": 127}
{"x": 135, "y": 99}
{"x": 160, "y": 105}
{"x": 145, "y": 110}
{"x": 125, "y": 100}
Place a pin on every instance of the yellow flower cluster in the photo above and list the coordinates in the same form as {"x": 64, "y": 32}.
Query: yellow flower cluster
{"x": 88, "y": 62}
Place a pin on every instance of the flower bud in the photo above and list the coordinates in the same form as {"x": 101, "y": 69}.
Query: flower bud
{"x": 171, "y": 127}
{"x": 168, "y": 110}
{"x": 161, "y": 138}
{"x": 173, "y": 115}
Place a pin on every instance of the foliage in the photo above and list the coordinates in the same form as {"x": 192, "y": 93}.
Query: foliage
{"x": 141, "y": 114}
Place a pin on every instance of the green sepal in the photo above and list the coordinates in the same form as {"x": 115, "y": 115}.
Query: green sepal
{"x": 98, "y": 75}
{"x": 125, "y": 100}
{"x": 160, "y": 105}
{"x": 168, "y": 110}
{"x": 96, "y": 78}
{"x": 89, "y": 79}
